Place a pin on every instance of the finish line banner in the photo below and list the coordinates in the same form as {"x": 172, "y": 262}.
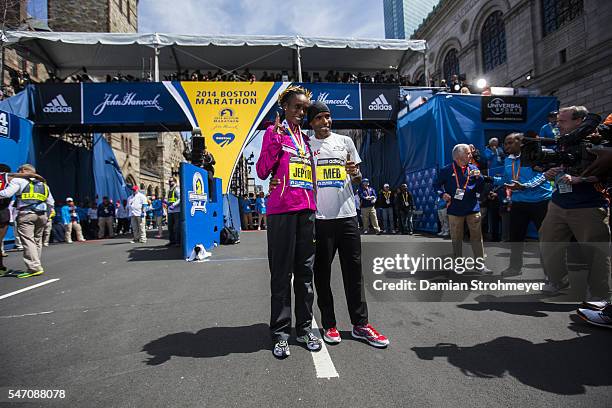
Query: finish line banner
{"x": 228, "y": 114}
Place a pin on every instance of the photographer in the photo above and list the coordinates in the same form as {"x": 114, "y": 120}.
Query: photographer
{"x": 459, "y": 184}
{"x": 530, "y": 195}
{"x": 578, "y": 208}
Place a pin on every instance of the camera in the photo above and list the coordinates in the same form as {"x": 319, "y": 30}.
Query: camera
{"x": 569, "y": 150}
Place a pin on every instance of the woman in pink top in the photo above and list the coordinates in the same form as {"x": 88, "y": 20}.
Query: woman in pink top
{"x": 286, "y": 155}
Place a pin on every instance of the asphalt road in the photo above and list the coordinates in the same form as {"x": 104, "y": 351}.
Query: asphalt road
{"x": 130, "y": 325}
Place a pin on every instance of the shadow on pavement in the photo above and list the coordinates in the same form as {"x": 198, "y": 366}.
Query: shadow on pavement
{"x": 562, "y": 367}
{"x": 153, "y": 253}
{"x": 209, "y": 342}
{"x": 522, "y": 305}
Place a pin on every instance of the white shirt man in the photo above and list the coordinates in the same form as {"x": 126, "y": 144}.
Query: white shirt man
{"x": 136, "y": 208}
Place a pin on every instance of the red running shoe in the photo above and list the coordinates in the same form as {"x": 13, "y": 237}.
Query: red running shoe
{"x": 369, "y": 334}
{"x": 332, "y": 336}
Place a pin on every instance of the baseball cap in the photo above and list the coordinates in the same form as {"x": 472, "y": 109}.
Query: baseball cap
{"x": 69, "y": 199}
{"x": 365, "y": 180}
{"x": 135, "y": 188}
{"x": 385, "y": 185}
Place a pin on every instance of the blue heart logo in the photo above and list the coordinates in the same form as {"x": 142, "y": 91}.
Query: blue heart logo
{"x": 223, "y": 139}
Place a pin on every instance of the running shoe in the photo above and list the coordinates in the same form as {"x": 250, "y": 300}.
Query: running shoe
{"x": 281, "y": 349}
{"x": 369, "y": 334}
{"x": 597, "y": 306}
{"x": 332, "y": 336}
{"x": 596, "y": 318}
{"x": 4, "y": 271}
{"x": 30, "y": 274}
{"x": 554, "y": 288}
{"x": 313, "y": 343}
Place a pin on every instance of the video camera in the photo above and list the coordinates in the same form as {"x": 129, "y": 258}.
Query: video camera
{"x": 570, "y": 150}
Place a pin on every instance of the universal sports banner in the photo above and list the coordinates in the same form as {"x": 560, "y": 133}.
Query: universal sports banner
{"x": 227, "y": 113}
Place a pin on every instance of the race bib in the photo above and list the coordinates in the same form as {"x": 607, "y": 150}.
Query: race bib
{"x": 459, "y": 193}
{"x": 300, "y": 172}
{"x": 331, "y": 173}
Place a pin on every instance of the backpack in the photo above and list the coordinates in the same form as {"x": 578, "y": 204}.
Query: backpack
{"x": 229, "y": 236}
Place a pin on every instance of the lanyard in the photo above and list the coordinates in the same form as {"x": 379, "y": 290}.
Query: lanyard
{"x": 516, "y": 177}
{"x": 405, "y": 197}
{"x": 457, "y": 178}
{"x": 387, "y": 194}
{"x": 297, "y": 141}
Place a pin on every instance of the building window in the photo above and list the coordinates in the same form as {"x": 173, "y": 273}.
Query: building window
{"x": 450, "y": 65}
{"x": 557, "y": 13}
{"x": 130, "y": 146}
{"x": 493, "y": 39}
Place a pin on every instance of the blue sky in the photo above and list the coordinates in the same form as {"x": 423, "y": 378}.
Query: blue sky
{"x": 348, "y": 18}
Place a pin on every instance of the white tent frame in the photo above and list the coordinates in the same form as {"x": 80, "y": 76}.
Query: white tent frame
{"x": 64, "y": 52}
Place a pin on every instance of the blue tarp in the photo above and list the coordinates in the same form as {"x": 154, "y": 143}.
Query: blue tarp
{"x": 18, "y": 104}
{"x": 426, "y": 137}
{"x": 381, "y": 160}
{"x": 16, "y": 146}
{"x": 109, "y": 181}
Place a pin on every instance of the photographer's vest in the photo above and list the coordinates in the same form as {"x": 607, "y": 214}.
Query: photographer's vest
{"x": 4, "y": 202}
{"x": 36, "y": 193}
{"x": 172, "y": 196}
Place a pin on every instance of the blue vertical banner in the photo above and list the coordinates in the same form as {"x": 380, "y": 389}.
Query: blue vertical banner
{"x": 201, "y": 209}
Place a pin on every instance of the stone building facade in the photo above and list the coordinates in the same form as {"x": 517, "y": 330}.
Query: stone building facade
{"x": 146, "y": 162}
{"x": 111, "y": 16}
{"x": 563, "y": 47}
{"x": 160, "y": 157}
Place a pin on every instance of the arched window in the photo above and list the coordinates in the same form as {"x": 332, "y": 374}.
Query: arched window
{"x": 493, "y": 39}
{"x": 450, "y": 66}
{"x": 557, "y": 13}
{"x": 130, "y": 146}
{"x": 421, "y": 80}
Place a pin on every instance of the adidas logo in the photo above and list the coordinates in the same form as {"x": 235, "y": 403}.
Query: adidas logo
{"x": 380, "y": 103}
{"x": 57, "y": 105}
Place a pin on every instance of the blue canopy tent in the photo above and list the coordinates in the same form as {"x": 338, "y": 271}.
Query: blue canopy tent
{"x": 426, "y": 137}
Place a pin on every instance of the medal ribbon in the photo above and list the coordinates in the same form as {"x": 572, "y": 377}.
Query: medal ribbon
{"x": 457, "y": 178}
{"x": 516, "y": 177}
{"x": 297, "y": 141}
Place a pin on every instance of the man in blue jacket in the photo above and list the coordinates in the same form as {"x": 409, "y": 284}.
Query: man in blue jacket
{"x": 460, "y": 184}
{"x": 367, "y": 196}
{"x": 531, "y": 193}
{"x": 72, "y": 220}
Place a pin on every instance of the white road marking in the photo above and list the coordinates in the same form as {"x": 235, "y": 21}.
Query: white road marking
{"x": 323, "y": 363}
{"x": 28, "y": 288}
{"x": 27, "y": 314}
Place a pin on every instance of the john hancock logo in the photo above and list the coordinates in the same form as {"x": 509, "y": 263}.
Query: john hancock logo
{"x": 129, "y": 99}
{"x": 324, "y": 97}
{"x": 197, "y": 197}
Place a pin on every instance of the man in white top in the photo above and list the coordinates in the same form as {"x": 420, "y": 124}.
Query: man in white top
{"x": 33, "y": 202}
{"x": 137, "y": 203}
{"x": 336, "y": 228}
